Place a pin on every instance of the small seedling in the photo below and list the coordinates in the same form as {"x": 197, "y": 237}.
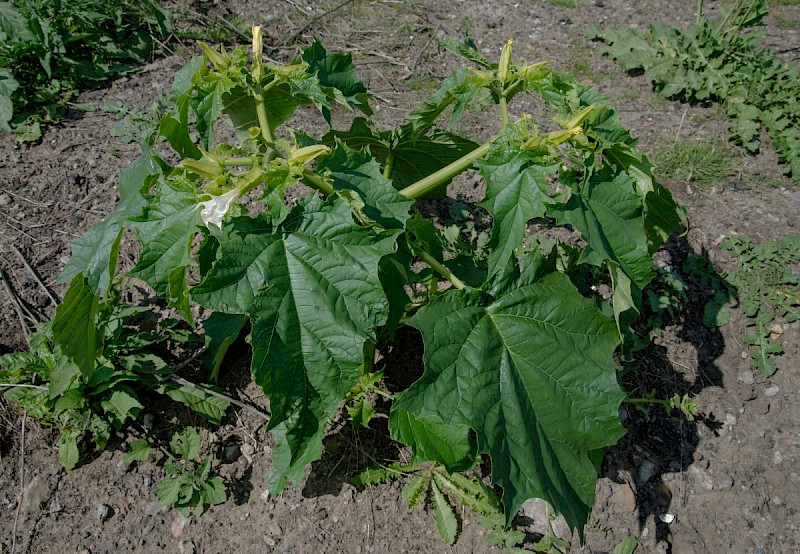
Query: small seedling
{"x": 767, "y": 287}
{"x": 190, "y": 488}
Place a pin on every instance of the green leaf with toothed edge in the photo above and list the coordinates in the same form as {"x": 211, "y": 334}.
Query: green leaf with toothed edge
{"x": 516, "y": 191}
{"x": 310, "y": 317}
{"x": 166, "y": 230}
{"x": 512, "y": 361}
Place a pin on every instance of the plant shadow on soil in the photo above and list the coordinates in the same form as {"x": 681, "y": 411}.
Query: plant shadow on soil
{"x": 657, "y": 442}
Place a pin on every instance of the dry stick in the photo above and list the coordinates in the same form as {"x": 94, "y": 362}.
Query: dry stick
{"x": 16, "y": 305}
{"x": 680, "y": 126}
{"x": 35, "y": 276}
{"x": 419, "y": 56}
{"x": 28, "y": 200}
{"x": 314, "y": 19}
{"x": 21, "y": 481}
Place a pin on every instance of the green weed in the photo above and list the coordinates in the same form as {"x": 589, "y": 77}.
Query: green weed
{"x": 693, "y": 161}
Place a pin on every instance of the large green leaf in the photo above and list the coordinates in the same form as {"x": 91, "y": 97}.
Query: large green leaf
{"x": 174, "y": 126}
{"x": 74, "y": 326}
{"x": 338, "y": 75}
{"x": 166, "y": 229}
{"x": 460, "y": 88}
{"x": 12, "y": 24}
{"x": 7, "y": 86}
{"x": 516, "y": 191}
{"x": 528, "y": 365}
{"x": 608, "y": 212}
{"x": 312, "y": 292}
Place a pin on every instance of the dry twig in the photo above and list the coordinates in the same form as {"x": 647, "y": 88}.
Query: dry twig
{"x": 35, "y": 276}
{"x": 21, "y": 482}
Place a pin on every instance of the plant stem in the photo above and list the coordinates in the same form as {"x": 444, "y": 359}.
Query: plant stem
{"x": 314, "y": 180}
{"x": 441, "y": 269}
{"x": 699, "y": 14}
{"x": 388, "y": 166}
{"x": 736, "y": 7}
{"x": 504, "y": 110}
{"x": 647, "y": 401}
{"x": 238, "y": 162}
{"x": 427, "y": 184}
{"x": 261, "y": 111}
{"x": 369, "y": 357}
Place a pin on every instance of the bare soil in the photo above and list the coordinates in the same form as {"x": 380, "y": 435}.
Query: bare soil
{"x": 726, "y": 482}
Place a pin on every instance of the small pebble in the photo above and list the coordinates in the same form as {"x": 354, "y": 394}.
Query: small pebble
{"x": 746, "y": 377}
{"x": 667, "y": 518}
{"x": 5, "y": 199}
{"x": 777, "y": 457}
{"x": 177, "y": 527}
{"x": 247, "y": 449}
{"x": 231, "y": 453}
{"x": 147, "y": 421}
{"x": 646, "y": 471}
{"x": 772, "y": 391}
{"x": 102, "y": 512}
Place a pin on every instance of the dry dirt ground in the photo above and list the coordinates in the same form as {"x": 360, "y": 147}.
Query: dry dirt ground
{"x": 731, "y": 479}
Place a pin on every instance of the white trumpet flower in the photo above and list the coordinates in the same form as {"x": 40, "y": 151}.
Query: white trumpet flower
{"x": 214, "y": 210}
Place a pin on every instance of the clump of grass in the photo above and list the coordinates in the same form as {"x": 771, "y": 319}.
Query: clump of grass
{"x": 693, "y": 161}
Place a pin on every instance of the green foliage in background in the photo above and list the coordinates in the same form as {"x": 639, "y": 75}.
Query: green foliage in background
{"x": 51, "y": 49}
{"x": 87, "y": 396}
{"x": 721, "y": 62}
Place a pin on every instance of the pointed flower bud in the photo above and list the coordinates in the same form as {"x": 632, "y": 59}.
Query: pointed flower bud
{"x": 203, "y": 168}
{"x": 220, "y": 59}
{"x": 258, "y": 49}
{"x": 307, "y": 153}
{"x": 579, "y": 117}
{"x": 504, "y": 67}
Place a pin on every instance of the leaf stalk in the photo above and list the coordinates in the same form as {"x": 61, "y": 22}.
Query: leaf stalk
{"x": 441, "y": 269}
{"x": 427, "y": 184}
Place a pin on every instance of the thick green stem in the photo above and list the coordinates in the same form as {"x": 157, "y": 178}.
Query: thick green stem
{"x": 437, "y": 266}
{"x": 313, "y": 180}
{"x": 263, "y": 122}
{"x": 427, "y": 184}
{"x": 504, "y": 110}
{"x": 369, "y": 357}
{"x": 699, "y": 14}
{"x": 389, "y": 165}
{"x": 239, "y": 162}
